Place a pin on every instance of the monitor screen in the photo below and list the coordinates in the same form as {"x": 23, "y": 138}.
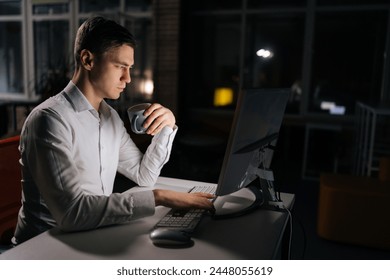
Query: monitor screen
{"x": 257, "y": 120}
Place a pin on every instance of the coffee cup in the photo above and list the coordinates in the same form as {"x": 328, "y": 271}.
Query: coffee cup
{"x": 137, "y": 118}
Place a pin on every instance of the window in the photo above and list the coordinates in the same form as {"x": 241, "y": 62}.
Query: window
{"x": 55, "y": 8}
{"x": 275, "y": 3}
{"x": 215, "y": 5}
{"x": 347, "y": 60}
{"x": 141, "y": 87}
{"x": 330, "y": 53}
{"x": 11, "y": 63}
{"x": 11, "y": 49}
{"x": 10, "y": 7}
{"x": 274, "y": 54}
{"x": 36, "y": 43}
{"x": 52, "y": 56}
{"x": 214, "y": 61}
{"x": 89, "y": 6}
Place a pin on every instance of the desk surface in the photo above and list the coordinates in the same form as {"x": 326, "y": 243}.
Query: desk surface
{"x": 257, "y": 235}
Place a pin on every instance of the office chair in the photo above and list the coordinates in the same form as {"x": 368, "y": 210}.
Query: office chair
{"x": 10, "y": 188}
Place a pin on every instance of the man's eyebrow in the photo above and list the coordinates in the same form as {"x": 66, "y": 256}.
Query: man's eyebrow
{"x": 124, "y": 63}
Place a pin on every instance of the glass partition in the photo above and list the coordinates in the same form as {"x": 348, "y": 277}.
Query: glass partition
{"x": 214, "y": 60}
{"x": 347, "y": 65}
{"x": 10, "y": 7}
{"x": 52, "y": 56}
{"x": 11, "y": 58}
{"x": 274, "y": 54}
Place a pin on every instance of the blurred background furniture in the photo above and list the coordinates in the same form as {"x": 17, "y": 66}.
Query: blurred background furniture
{"x": 10, "y": 188}
{"x": 373, "y": 138}
{"x": 354, "y": 209}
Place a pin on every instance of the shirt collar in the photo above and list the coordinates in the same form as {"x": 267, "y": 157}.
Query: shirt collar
{"x": 80, "y": 102}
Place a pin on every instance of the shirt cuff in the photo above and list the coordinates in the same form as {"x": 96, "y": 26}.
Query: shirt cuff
{"x": 142, "y": 201}
{"x": 167, "y": 130}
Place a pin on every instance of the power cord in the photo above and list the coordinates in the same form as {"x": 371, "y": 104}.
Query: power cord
{"x": 279, "y": 206}
{"x": 291, "y": 232}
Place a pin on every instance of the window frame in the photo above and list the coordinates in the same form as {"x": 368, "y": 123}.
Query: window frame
{"x": 73, "y": 16}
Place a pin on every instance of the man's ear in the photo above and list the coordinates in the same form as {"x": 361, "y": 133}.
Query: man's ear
{"x": 86, "y": 58}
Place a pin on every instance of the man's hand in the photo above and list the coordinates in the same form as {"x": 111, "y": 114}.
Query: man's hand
{"x": 182, "y": 200}
{"x": 157, "y": 117}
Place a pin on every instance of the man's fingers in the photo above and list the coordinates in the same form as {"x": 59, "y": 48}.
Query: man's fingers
{"x": 157, "y": 118}
{"x": 206, "y": 195}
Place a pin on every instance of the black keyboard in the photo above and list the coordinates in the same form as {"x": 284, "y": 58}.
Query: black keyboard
{"x": 185, "y": 220}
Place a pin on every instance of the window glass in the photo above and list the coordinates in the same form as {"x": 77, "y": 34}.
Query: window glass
{"x": 214, "y": 48}
{"x": 350, "y": 2}
{"x": 274, "y": 53}
{"x": 10, "y": 7}
{"x": 138, "y": 5}
{"x": 11, "y": 64}
{"x": 275, "y": 3}
{"x": 347, "y": 60}
{"x": 88, "y": 6}
{"x": 215, "y": 5}
{"x": 141, "y": 86}
{"x": 52, "y": 56}
{"x": 59, "y": 8}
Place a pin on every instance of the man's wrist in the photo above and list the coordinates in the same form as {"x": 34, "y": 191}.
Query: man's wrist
{"x": 157, "y": 196}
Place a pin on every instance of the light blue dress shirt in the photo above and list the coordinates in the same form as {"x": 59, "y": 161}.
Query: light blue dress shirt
{"x": 70, "y": 154}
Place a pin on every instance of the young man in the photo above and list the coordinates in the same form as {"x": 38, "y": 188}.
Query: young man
{"x": 73, "y": 144}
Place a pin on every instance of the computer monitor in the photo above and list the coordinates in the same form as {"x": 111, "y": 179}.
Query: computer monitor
{"x": 246, "y": 181}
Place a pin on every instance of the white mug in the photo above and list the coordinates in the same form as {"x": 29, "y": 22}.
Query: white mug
{"x": 137, "y": 118}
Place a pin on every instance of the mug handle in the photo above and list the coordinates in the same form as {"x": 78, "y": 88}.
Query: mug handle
{"x": 134, "y": 124}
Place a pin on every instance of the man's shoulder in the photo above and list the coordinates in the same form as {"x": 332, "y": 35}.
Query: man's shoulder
{"x": 55, "y": 103}
{"x": 55, "y": 107}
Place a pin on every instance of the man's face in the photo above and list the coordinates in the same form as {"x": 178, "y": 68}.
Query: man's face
{"x": 111, "y": 72}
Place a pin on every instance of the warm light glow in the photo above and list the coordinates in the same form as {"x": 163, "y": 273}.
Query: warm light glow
{"x": 264, "y": 53}
{"x": 148, "y": 87}
{"x": 223, "y": 96}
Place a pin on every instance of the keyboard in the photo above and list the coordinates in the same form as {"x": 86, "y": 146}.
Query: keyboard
{"x": 185, "y": 220}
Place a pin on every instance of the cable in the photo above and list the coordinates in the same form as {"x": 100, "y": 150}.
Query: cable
{"x": 291, "y": 231}
{"x": 278, "y": 203}
{"x": 304, "y": 238}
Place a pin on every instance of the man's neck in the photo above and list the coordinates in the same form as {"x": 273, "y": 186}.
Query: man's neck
{"x": 86, "y": 89}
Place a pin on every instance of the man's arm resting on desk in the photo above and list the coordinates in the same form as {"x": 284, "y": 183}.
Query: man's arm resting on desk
{"x": 173, "y": 199}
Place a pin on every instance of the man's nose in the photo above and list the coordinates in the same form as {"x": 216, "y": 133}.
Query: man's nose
{"x": 126, "y": 76}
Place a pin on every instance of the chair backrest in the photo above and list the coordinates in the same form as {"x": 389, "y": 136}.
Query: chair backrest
{"x": 10, "y": 187}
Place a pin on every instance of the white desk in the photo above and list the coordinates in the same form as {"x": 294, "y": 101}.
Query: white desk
{"x": 257, "y": 235}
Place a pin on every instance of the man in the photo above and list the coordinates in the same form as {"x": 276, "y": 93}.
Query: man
{"x": 73, "y": 144}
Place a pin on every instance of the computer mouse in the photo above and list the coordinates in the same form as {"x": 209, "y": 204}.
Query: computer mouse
{"x": 165, "y": 237}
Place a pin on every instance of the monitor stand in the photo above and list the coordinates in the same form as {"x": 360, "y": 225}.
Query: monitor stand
{"x": 238, "y": 203}
{"x": 258, "y": 193}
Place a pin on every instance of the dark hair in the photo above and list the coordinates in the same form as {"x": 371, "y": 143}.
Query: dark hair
{"x": 98, "y": 34}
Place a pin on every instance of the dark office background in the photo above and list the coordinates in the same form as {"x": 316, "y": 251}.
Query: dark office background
{"x": 330, "y": 54}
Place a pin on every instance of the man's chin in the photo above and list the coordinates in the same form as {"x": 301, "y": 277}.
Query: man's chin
{"x": 117, "y": 95}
